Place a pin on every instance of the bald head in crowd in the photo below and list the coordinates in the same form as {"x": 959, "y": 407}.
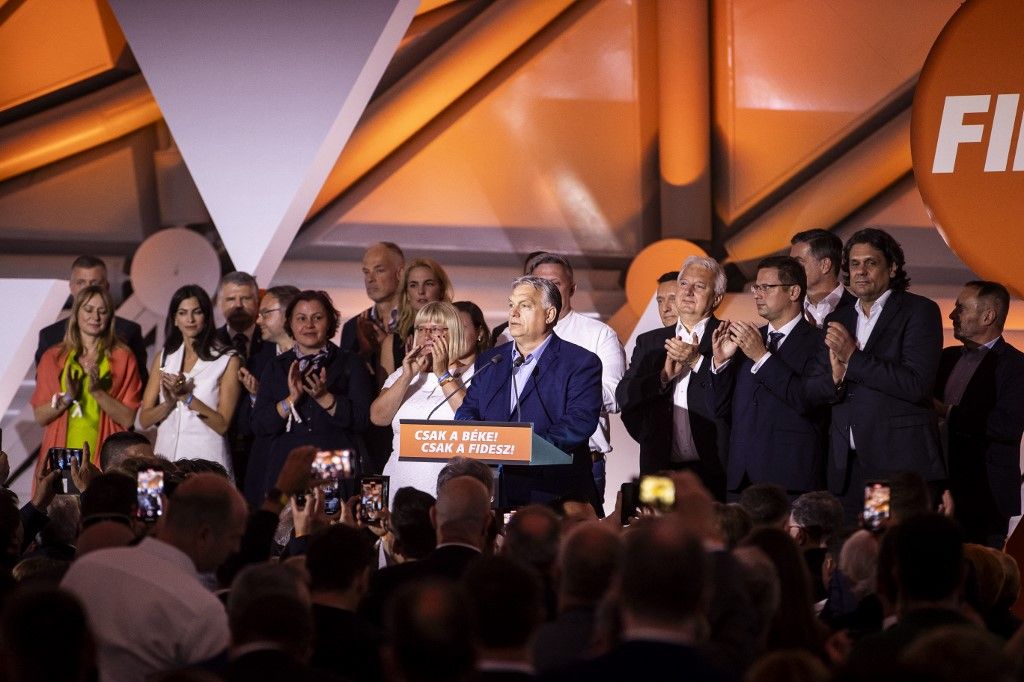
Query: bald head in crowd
{"x": 587, "y": 561}
{"x": 205, "y": 519}
{"x": 462, "y": 512}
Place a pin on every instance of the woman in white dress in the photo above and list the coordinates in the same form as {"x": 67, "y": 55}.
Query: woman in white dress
{"x": 437, "y": 368}
{"x": 193, "y": 386}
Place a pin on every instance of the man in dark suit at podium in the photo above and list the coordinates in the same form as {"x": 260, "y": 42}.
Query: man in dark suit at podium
{"x": 89, "y": 271}
{"x": 542, "y": 379}
{"x": 238, "y": 297}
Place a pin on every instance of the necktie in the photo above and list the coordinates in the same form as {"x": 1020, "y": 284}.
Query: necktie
{"x": 241, "y": 344}
{"x": 773, "y": 341}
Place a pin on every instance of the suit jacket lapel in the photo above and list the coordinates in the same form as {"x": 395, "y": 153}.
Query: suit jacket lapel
{"x": 546, "y": 360}
{"x": 499, "y": 390}
{"x": 889, "y": 310}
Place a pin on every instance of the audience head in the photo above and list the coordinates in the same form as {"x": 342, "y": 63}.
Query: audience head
{"x": 92, "y": 317}
{"x": 190, "y": 317}
{"x": 339, "y": 559}
{"x": 410, "y": 523}
{"x": 198, "y": 465}
{"x": 573, "y": 509}
{"x": 205, "y": 519}
{"x": 44, "y": 635}
{"x": 588, "y": 561}
{"x": 534, "y": 307}
{"x": 463, "y": 512}
{"x": 908, "y": 496}
{"x": 733, "y": 523}
{"x": 57, "y": 538}
{"x": 767, "y": 505}
{"x": 431, "y": 632}
{"x": 980, "y": 312}
{"x": 121, "y": 445}
{"x": 701, "y": 288}
{"x": 439, "y": 322}
{"x": 858, "y": 561}
{"x": 269, "y": 603}
{"x": 557, "y": 270}
{"x": 928, "y": 556}
{"x": 532, "y": 537}
{"x": 102, "y": 535}
{"x": 983, "y": 579}
{"x": 956, "y": 652}
{"x": 664, "y": 575}
{"x": 820, "y": 253}
{"x": 788, "y": 666}
{"x": 238, "y": 296}
{"x": 873, "y": 263}
{"x": 814, "y": 518}
{"x": 383, "y": 264}
{"x": 424, "y": 281}
{"x": 1010, "y": 589}
{"x": 507, "y": 600}
{"x": 761, "y": 583}
{"x": 312, "y": 320}
{"x": 474, "y": 327}
{"x": 87, "y": 271}
{"x": 466, "y": 466}
{"x": 40, "y": 571}
{"x": 668, "y": 288}
{"x": 271, "y": 315}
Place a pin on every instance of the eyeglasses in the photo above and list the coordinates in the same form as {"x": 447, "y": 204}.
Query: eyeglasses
{"x": 763, "y": 288}
{"x": 432, "y": 330}
{"x": 265, "y": 313}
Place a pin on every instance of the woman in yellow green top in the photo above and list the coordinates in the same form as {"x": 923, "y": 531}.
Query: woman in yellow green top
{"x": 87, "y": 386}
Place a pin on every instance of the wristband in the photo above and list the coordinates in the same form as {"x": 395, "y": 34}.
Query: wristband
{"x": 331, "y": 406}
{"x": 188, "y": 400}
{"x": 445, "y": 378}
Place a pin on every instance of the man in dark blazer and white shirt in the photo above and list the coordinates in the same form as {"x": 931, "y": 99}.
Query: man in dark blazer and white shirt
{"x": 664, "y": 393}
{"x": 820, "y": 253}
{"x": 757, "y": 380}
{"x": 876, "y": 369}
{"x": 979, "y": 391}
{"x": 89, "y": 271}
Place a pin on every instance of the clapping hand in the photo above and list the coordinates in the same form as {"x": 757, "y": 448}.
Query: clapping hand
{"x": 723, "y": 346}
{"x": 679, "y": 357}
{"x": 748, "y": 338}
{"x": 248, "y": 381}
{"x": 315, "y": 383}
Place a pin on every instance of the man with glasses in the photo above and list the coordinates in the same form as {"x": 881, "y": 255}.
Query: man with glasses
{"x": 664, "y": 393}
{"x": 757, "y": 379}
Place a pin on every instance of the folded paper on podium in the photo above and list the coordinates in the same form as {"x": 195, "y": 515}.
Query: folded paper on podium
{"x": 490, "y": 442}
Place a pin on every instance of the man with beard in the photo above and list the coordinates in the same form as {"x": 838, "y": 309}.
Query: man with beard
{"x": 238, "y": 297}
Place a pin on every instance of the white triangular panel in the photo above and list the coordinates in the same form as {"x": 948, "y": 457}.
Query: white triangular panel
{"x": 261, "y": 98}
{"x": 31, "y": 304}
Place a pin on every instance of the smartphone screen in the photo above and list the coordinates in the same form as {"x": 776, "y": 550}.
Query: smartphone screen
{"x": 150, "y": 490}
{"x": 329, "y": 466}
{"x": 373, "y": 499}
{"x": 876, "y": 505}
{"x": 629, "y": 506}
{"x": 60, "y": 460}
{"x": 658, "y": 493}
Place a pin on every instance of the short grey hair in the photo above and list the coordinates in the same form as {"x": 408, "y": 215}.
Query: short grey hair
{"x": 242, "y": 279}
{"x": 550, "y": 297}
{"x": 546, "y": 258}
{"x": 709, "y": 264}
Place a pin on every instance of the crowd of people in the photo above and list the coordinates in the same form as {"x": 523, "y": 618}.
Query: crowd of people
{"x": 247, "y": 566}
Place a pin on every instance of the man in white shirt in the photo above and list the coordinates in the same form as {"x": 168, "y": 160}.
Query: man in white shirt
{"x": 876, "y": 369}
{"x": 664, "y": 393}
{"x": 593, "y": 335}
{"x": 146, "y": 604}
{"x": 757, "y": 380}
{"x": 821, "y": 253}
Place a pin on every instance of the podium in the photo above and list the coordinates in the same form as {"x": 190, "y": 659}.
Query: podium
{"x": 493, "y": 443}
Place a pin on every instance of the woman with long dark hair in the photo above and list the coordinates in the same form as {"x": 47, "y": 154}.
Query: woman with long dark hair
{"x": 193, "y": 385}
{"x": 87, "y": 386}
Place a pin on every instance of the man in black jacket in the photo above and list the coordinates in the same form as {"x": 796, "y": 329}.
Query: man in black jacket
{"x": 89, "y": 271}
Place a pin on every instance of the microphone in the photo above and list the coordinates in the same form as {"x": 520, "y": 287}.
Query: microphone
{"x": 490, "y": 363}
{"x": 517, "y": 363}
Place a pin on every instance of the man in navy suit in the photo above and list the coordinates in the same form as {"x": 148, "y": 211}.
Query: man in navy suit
{"x": 777, "y": 436}
{"x": 557, "y": 386}
{"x": 980, "y": 393}
{"x": 876, "y": 369}
{"x": 664, "y": 392}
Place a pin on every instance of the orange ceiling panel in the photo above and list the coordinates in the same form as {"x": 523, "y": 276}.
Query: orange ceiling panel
{"x": 46, "y": 45}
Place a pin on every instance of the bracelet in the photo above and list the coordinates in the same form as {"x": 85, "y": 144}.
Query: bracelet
{"x": 333, "y": 404}
{"x": 445, "y": 378}
{"x": 188, "y": 400}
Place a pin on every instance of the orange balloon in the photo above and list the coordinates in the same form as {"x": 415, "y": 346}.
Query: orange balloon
{"x": 966, "y": 141}
{"x": 650, "y": 264}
